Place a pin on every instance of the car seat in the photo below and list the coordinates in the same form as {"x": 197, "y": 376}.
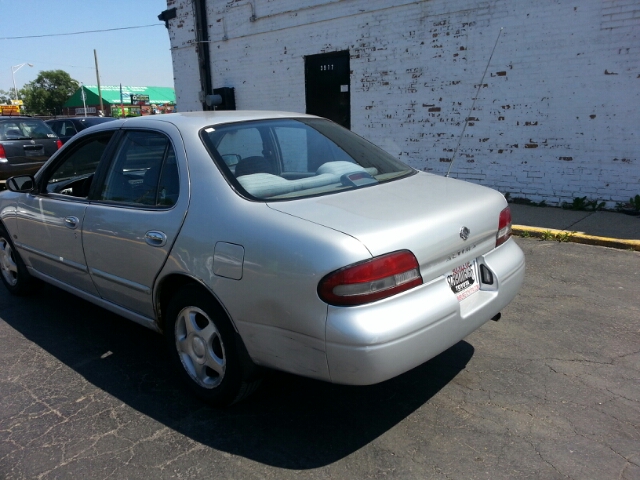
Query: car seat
{"x": 163, "y": 190}
{"x": 250, "y": 165}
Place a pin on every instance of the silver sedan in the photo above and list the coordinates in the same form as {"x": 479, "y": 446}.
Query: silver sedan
{"x": 262, "y": 239}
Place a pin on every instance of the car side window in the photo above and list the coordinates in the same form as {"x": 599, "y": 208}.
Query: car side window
{"x": 68, "y": 129}
{"x": 293, "y": 148}
{"x": 303, "y": 150}
{"x": 244, "y": 142}
{"x": 55, "y": 126}
{"x": 74, "y": 173}
{"x": 143, "y": 172}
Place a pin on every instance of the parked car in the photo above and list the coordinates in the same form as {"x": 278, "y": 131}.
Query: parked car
{"x": 66, "y": 128}
{"x": 263, "y": 239}
{"x": 25, "y": 144}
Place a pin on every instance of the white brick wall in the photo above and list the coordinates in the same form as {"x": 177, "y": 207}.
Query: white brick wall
{"x": 556, "y": 117}
{"x": 184, "y": 56}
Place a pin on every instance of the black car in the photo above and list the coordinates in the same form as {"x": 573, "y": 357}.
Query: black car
{"x": 66, "y": 128}
{"x": 25, "y": 144}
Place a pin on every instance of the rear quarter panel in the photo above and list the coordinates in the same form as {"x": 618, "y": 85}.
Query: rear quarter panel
{"x": 274, "y": 305}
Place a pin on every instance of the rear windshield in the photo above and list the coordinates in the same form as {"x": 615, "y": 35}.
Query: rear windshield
{"x": 23, "y": 129}
{"x": 293, "y": 158}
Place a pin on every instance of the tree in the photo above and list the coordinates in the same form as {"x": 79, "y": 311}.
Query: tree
{"x": 48, "y": 92}
{"x": 6, "y": 97}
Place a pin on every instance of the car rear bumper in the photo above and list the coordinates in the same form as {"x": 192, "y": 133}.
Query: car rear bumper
{"x": 372, "y": 343}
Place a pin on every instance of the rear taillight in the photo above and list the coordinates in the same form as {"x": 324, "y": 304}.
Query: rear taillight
{"x": 371, "y": 280}
{"x": 3, "y": 154}
{"x": 59, "y": 143}
{"x": 504, "y": 227}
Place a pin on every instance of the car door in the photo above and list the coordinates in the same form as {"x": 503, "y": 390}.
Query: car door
{"x": 135, "y": 215}
{"x": 49, "y": 221}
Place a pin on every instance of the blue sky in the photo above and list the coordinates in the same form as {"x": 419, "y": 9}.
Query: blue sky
{"x": 133, "y": 57}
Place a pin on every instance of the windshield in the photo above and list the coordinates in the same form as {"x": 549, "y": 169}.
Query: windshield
{"x": 293, "y": 158}
{"x": 20, "y": 129}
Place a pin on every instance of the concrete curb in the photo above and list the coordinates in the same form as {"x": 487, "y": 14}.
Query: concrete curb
{"x": 575, "y": 237}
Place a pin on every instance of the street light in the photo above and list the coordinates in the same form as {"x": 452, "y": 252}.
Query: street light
{"x": 14, "y": 69}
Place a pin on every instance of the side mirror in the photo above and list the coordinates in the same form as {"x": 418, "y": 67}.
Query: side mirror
{"x": 21, "y": 183}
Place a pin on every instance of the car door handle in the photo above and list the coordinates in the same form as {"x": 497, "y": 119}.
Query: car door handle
{"x": 71, "y": 222}
{"x": 155, "y": 238}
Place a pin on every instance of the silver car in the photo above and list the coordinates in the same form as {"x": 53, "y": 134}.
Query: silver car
{"x": 263, "y": 239}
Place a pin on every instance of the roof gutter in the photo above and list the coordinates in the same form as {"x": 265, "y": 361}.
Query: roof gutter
{"x": 202, "y": 42}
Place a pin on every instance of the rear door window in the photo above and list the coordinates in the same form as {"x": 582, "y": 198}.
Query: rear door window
{"x": 243, "y": 150}
{"x": 143, "y": 172}
{"x": 245, "y": 142}
{"x": 68, "y": 129}
{"x": 55, "y": 126}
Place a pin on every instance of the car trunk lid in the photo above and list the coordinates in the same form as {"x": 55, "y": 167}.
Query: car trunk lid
{"x": 26, "y": 150}
{"x": 426, "y": 214}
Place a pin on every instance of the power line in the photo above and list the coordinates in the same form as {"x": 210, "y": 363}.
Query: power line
{"x": 80, "y": 33}
{"x": 46, "y": 62}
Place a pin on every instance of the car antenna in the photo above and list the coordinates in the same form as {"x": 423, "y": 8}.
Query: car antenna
{"x": 466, "y": 121}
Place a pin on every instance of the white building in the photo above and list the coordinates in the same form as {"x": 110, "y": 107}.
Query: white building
{"x": 554, "y": 117}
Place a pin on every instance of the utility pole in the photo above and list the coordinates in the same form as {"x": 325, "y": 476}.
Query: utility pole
{"x": 95, "y": 55}
{"x": 84, "y": 99}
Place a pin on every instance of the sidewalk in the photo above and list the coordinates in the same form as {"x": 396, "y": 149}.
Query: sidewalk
{"x": 608, "y": 229}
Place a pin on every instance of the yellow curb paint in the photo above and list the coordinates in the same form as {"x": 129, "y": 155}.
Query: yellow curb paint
{"x": 579, "y": 237}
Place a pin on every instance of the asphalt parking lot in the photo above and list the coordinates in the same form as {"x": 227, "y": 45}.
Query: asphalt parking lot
{"x": 550, "y": 391}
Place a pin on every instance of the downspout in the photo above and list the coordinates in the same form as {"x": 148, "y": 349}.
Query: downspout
{"x": 202, "y": 42}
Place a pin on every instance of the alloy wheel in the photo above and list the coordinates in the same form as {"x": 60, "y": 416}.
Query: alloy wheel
{"x": 7, "y": 263}
{"x": 200, "y": 347}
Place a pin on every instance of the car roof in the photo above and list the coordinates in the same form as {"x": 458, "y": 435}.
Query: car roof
{"x": 17, "y": 117}
{"x": 80, "y": 119}
{"x": 92, "y": 120}
{"x": 204, "y": 118}
{"x": 195, "y": 121}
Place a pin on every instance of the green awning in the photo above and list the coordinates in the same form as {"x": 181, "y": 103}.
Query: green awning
{"x": 111, "y": 95}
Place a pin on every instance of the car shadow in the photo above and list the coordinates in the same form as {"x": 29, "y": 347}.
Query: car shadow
{"x": 290, "y": 422}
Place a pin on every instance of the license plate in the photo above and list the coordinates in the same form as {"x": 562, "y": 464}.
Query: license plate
{"x": 463, "y": 280}
{"x": 36, "y": 152}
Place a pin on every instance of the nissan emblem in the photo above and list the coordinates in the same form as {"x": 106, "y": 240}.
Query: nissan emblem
{"x": 464, "y": 233}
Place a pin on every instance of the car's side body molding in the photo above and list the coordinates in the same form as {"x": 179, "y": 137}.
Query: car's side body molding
{"x": 120, "y": 281}
{"x": 112, "y": 307}
{"x": 65, "y": 261}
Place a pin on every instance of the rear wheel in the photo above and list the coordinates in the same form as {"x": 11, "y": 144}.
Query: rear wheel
{"x": 15, "y": 275}
{"x": 205, "y": 349}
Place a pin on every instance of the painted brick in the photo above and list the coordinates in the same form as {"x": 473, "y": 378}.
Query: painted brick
{"x": 555, "y": 116}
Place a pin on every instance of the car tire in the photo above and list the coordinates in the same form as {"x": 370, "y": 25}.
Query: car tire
{"x": 13, "y": 271}
{"x": 206, "y": 351}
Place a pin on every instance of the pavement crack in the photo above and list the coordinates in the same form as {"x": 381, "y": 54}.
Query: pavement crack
{"x": 196, "y": 448}
{"x": 568, "y": 229}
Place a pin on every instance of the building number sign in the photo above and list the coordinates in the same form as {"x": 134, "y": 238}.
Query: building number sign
{"x": 326, "y": 68}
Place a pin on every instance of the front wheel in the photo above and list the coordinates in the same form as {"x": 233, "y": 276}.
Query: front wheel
{"x": 205, "y": 350}
{"x": 15, "y": 275}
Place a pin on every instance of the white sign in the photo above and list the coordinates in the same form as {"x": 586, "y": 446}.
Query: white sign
{"x": 81, "y": 111}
